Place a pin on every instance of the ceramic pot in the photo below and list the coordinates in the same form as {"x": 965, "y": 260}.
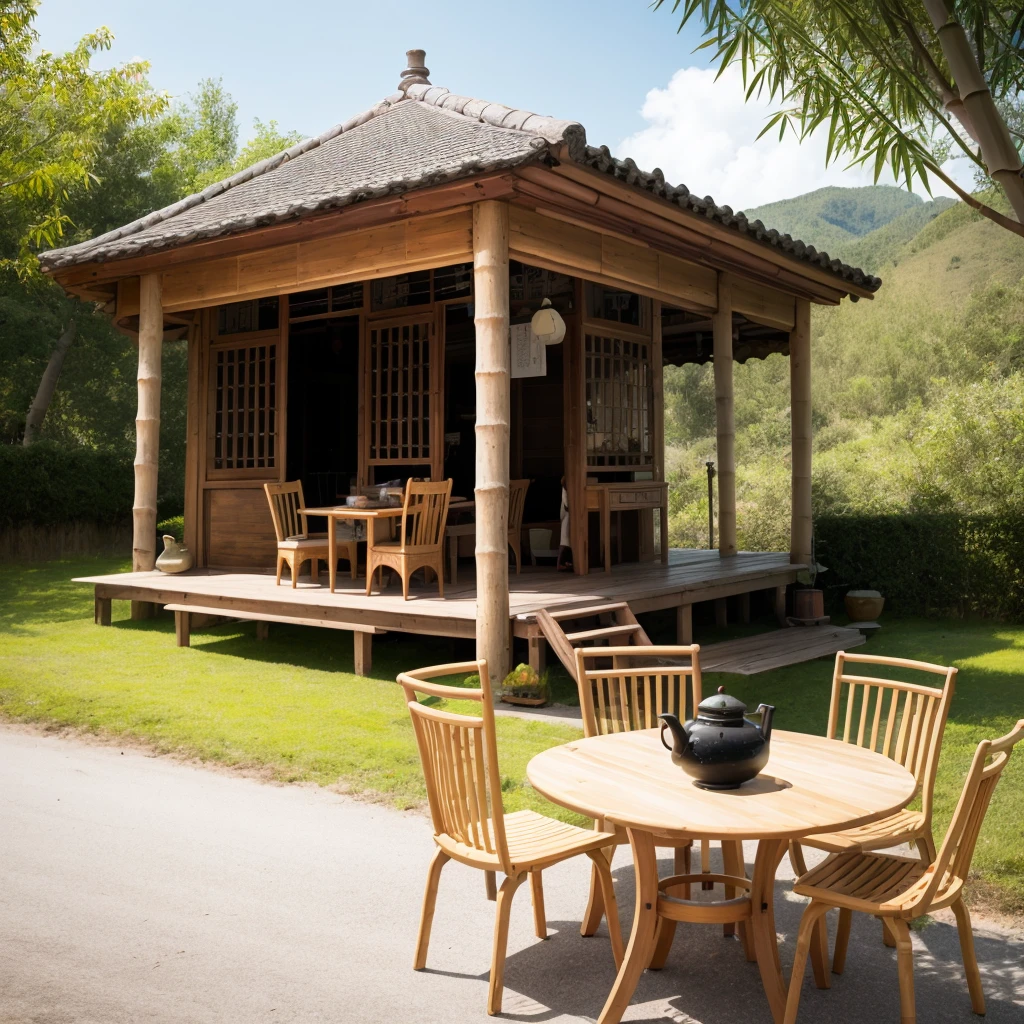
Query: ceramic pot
{"x": 863, "y": 605}
{"x": 808, "y": 604}
{"x": 175, "y": 557}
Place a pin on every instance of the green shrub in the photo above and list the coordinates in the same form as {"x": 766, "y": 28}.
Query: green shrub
{"x": 175, "y": 526}
{"x": 47, "y": 484}
{"x": 928, "y": 563}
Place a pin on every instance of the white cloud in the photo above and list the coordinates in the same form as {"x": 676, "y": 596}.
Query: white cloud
{"x": 703, "y": 134}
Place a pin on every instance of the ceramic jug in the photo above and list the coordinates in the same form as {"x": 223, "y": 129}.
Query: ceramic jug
{"x": 175, "y": 557}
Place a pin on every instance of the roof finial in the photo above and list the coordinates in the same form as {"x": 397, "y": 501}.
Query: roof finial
{"x": 416, "y": 73}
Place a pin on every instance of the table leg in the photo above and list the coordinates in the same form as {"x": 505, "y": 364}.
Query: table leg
{"x": 332, "y": 553}
{"x": 762, "y": 923}
{"x": 371, "y": 529}
{"x": 645, "y": 922}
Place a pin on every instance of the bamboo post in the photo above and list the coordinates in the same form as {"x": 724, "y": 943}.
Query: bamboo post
{"x": 147, "y": 426}
{"x": 490, "y": 278}
{"x": 726, "y": 438}
{"x": 800, "y": 418}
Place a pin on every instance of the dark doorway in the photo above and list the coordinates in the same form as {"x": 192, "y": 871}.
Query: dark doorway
{"x": 323, "y": 407}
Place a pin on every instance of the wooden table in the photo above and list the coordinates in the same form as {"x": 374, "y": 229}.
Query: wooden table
{"x": 621, "y": 496}
{"x": 810, "y": 785}
{"x": 368, "y": 513}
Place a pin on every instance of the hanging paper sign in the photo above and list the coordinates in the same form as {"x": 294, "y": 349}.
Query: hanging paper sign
{"x": 529, "y": 354}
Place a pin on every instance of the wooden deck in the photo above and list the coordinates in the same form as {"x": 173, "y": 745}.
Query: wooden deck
{"x": 689, "y": 578}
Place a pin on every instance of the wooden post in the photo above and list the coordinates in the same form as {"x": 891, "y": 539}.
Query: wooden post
{"x": 726, "y": 443}
{"x": 147, "y": 431}
{"x": 684, "y": 624}
{"x": 362, "y": 657}
{"x": 800, "y": 418}
{"x": 490, "y": 277}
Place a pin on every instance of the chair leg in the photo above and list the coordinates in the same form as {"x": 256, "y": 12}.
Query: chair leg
{"x": 595, "y": 902}
{"x": 439, "y": 573}
{"x": 540, "y": 921}
{"x": 295, "y": 564}
{"x": 819, "y": 954}
{"x": 842, "y": 940}
{"x": 280, "y": 566}
{"x": 369, "y": 578}
{"x": 427, "y": 916}
{"x": 314, "y": 569}
{"x": 497, "y": 984}
{"x": 796, "y": 859}
{"x": 353, "y": 559}
{"x": 405, "y": 583}
{"x": 926, "y": 848}
{"x": 812, "y": 916}
{"x": 602, "y": 866}
{"x": 662, "y": 943}
{"x": 887, "y": 936}
{"x": 491, "y": 885}
{"x": 966, "y": 933}
{"x": 905, "y": 968}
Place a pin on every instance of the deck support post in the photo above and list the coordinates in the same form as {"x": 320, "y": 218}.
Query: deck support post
{"x": 490, "y": 278}
{"x": 362, "y": 657}
{"x": 183, "y": 628}
{"x": 101, "y": 610}
{"x": 684, "y": 624}
{"x": 147, "y": 431}
{"x": 800, "y": 417}
{"x": 726, "y": 431}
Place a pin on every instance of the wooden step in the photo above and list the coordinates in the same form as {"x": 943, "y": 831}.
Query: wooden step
{"x": 776, "y": 649}
{"x": 585, "y": 613}
{"x": 605, "y": 632}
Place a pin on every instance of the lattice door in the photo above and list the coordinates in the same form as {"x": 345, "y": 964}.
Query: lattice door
{"x": 401, "y": 371}
{"x": 620, "y": 401}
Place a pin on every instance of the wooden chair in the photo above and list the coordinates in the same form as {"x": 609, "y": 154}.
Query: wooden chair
{"x": 295, "y": 544}
{"x": 420, "y": 543}
{"x": 516, "y": 500}
{"x": 900, "y": 889}
{"x": 460, "y": 764}
{"x": 625, "y": 688}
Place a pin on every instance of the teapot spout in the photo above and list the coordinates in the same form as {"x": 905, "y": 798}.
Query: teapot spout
{"x": 767, "y": 712}
{"x": 680, "y": 736}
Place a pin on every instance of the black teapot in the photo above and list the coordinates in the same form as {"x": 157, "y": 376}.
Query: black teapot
{"x": 720, "y": 748}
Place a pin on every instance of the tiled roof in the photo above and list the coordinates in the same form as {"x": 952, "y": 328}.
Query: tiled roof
{"x": 413, "y": 139}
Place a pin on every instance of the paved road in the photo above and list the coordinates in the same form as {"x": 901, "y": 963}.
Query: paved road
{"x": 134, "y": 888}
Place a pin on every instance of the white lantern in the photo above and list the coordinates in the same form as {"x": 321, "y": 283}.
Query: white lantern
{"x": 547, "y": 324}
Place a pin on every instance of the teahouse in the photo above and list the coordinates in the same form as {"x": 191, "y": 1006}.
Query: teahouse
{"x": 347, "y": 306}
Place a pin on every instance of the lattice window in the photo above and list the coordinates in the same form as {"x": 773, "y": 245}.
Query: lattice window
{"x": 398, "y": 407}
{"x": 244, "y": 407}
{"x": 620, "y": 401}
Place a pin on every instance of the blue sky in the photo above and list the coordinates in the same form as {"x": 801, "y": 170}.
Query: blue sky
{"x": 615, "y": 65}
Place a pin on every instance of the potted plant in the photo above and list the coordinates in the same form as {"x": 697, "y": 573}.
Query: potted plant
{"x": 524, "y": 686}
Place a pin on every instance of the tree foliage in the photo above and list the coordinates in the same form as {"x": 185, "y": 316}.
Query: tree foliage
{"x": 903, "y": 84}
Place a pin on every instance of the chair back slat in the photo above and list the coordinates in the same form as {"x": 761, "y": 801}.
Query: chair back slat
{"x": 957, "y": 851}
{"x": 625, "y": 688}
{"x": 460, "y": 759}
{"x": 425, "y": 512}
{"x": 902, "y": 720}
{"x": 285, "y": 501}
{"x": 516, "y": 503}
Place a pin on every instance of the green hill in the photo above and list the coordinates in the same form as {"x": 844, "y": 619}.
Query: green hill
{"x": 863, "y": 226}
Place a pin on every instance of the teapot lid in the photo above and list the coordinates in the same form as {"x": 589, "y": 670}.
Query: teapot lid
{"x": 721, "y": 705}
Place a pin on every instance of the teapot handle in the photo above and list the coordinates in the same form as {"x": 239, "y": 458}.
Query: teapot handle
{"x": 661, "y": 736}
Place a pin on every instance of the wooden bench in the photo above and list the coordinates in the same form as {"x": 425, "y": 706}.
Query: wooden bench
{"x": 362, "y": 634}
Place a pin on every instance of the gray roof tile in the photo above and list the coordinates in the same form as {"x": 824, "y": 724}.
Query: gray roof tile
{"x": 410, "y": 140}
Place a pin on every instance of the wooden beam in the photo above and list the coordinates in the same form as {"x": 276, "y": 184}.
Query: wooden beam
{"x": 800, "y": 416}
{"x": 725, "y": 425}
{"x": 543, "y": 240}
{"x": 490, "y": 275}
{"x": 147, "y": 423}
{"x": 764, "y": 305}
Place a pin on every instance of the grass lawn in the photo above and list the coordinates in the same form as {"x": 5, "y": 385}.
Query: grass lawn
{"x": 292, "y": 707}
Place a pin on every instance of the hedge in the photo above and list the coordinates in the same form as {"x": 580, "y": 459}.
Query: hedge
{"x": 48, "y": 484}
{"x": 927, "y": 563}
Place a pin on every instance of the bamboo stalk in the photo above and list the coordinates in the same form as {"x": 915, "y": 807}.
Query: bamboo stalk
{"x": 984, "y": 122}
{"x": 490, "y": 274}
{"x": 800, "y": 417}
{"x": 147, "y": 423}
{"x": 726, "y": 437}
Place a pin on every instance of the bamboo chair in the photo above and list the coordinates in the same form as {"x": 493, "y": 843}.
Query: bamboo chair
{"x": 460, "y": 764}
{"x": 625, "y": 688}
{"x": 420, "y": 543}
{"x": 899, "y": 889}
{"x": 904, "y": 721}
{"x": 295, "y": 544}
{"x": 516, "y": 502}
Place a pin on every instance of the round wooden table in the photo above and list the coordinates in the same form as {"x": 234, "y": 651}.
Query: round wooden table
{"x": 809, "y": 785}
